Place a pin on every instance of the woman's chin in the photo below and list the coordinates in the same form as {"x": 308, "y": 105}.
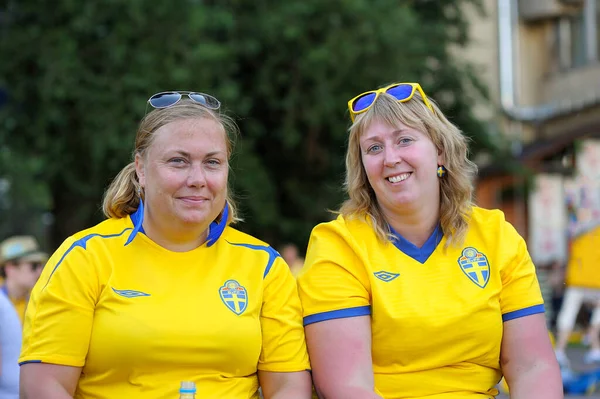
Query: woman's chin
{"x": 196, "y": 218}
{"x": 402, "y": 202}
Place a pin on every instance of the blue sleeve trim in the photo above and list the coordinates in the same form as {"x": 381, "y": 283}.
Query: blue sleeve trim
{"x": 337, "y": 314}
{"x": 30, "y": 361}
{"x": 523, "y": 312}
{"x": 272, "y": 254}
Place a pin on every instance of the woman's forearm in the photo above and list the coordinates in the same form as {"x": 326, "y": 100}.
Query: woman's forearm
{"x": 539, "y": 382}
{"x": 290, "y": 393}
{"x": 47, "y": 389}
{"x": 292, "y": 385}
{"x": 352, "y": 393}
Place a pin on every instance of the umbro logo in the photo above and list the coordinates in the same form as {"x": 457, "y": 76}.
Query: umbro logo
{"x": 386, "y": 276}
{"x": 129, "y": 293}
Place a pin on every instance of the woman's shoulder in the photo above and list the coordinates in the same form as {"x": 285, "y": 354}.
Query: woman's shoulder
{"x": 343, "y": 233}
{"x": 345, "y": 225}
{"x": 487, "y": 216}
{"x": 240, "y": 245}
{"x": 237, "y": 237}
{"x": 491, "y": 221}
{"x": 109, "y": 228}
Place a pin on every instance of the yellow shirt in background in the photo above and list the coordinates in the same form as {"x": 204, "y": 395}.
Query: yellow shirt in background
{"x": 583, "y": 268}
{"x": 296, "y": 267}
{"x": 20, "y": 305}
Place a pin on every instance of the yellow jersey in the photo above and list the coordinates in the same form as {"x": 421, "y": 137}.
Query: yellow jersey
{"x": 139, "y": 319}
{"x": 436, "y": 313}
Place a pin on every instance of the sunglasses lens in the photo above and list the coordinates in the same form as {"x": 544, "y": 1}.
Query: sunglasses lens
{"x": 363, "y": 102}
{"x": 164, "y": 100}
{"x": 401, "y": 92}
{"x": 206, "y": 100}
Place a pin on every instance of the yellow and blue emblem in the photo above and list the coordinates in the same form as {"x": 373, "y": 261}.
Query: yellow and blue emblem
{"x": 475, "y": 265}
{"x": 234, "y": 296}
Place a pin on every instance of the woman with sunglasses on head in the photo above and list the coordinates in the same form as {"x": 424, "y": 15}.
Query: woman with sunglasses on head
{"x": 165, "y": 291}
{"x": 413, "y": 292}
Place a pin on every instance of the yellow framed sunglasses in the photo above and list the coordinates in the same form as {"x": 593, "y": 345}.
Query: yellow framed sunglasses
{"x": 400, "y": 91}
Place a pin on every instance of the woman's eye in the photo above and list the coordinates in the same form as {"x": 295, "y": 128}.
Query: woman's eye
{"x": 374, "y": 148}
{"x": 405, "y": 140}
{"x": 176, "y": 161}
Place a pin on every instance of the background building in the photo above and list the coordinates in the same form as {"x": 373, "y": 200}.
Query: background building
{"x": 540, "y": 59}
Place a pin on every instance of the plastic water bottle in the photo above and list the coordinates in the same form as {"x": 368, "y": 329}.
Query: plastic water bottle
{"x": 187, "y": 390}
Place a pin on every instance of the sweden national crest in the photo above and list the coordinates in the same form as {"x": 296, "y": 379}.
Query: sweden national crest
{"x": 475, "y": 265}
{"x": 234, "y": 296}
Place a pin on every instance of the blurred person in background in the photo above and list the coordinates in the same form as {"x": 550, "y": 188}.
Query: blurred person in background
{"x": 21, "y": 262}
{"x": 582, "y": 286}
{"x": 290, "y": 254}
{"x": 557, "y": 284}
{"x": 10, "y": 346}
{"x": 165, "y": 290}
{"x": 414, "y": 292}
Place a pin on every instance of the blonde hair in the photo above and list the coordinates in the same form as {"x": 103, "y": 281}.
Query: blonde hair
{"x": 121, "y": 197}
{"x": 456, "y": 187}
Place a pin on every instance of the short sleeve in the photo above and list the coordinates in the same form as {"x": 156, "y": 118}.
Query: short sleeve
{"x": 284, "y": 346}
{"x": 334, "y": 283}
{"x": 59, "y": 315}
{"x": 521, "y": 294}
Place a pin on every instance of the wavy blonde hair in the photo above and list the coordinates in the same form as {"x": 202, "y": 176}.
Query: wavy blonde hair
{"x": 121, "y": 198}
{"x": 456, "y": 187}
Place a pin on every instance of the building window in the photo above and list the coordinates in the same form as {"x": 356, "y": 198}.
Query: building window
{"x": 598, "y": 28}
{"x": 578, "y": 40}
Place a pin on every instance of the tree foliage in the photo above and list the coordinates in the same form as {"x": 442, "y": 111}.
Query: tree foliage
{"x": 77, "y": 75}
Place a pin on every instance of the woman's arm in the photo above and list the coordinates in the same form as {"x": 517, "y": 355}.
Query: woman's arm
{"x": 283, "y": 363}
{"x": 48, "y": 381}
{"x": 340, "y": 354}
{"x": 528, "y": 361}
{"x": 294, "y": 385}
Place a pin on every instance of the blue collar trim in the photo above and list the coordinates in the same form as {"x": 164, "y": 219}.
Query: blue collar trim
{"x": 419, "y": 254}
{"x": 137, "y": 218}
{"x": 215, "y": 230}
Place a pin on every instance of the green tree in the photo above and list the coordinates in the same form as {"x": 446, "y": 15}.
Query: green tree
{"x": 77, "y": 76}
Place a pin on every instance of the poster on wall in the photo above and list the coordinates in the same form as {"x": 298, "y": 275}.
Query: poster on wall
{"x": 547, "y": 220}
{"x": 582, "y": 191}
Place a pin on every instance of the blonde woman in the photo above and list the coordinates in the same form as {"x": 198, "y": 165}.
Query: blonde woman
{"x": 413, "y": 292}
{"x": 165, "y": 290}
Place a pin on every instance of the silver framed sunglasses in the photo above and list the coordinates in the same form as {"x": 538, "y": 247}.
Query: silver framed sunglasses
{"x": 167, "y": 99}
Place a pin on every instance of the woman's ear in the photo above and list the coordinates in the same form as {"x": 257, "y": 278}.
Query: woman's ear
{"x": 441, "y": 159}
{"x": 140, "y": 170}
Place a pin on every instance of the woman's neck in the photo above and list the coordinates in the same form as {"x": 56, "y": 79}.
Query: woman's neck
{"x": 416, "y": 227}
{"x": 176, "y": 239}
